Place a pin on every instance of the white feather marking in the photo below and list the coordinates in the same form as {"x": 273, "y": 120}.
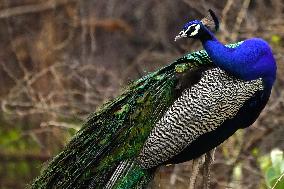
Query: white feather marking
{"x": 197, "y": 28}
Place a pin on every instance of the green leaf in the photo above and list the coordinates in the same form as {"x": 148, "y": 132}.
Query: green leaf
{"x": 282, "y": 167}
{"x": 237, "y": 172}
{"x": 264, "y": 162}
{"x": 273, "y": 167}
{"x": 255, "y": 152}
{"x": 276, "y": 159}
{"x": 276, "y": 39}
{"x": 279, "y": 185}
{"x": 270, "y": 176}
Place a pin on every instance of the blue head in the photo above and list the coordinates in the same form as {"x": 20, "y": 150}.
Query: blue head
{"x": 199, "y": 29}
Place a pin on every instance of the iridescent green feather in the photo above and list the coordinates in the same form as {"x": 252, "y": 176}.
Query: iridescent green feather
{"x": 118, "y": 131}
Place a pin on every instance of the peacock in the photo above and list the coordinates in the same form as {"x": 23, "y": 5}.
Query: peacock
{"x": 173, "y": 115}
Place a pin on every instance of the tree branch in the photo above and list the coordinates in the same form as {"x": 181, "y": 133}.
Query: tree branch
{"x": 28, "y": 9}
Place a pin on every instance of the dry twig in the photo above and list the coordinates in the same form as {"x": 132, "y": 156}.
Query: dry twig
{"x": 28, "y": 9}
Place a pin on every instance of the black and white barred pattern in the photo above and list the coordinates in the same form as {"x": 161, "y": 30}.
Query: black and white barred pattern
{"x": 200, "y": 109}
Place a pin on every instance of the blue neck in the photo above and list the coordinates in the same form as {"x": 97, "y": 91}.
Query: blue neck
{"x": 253, "y": 59}
{"x": 221, "y": 55}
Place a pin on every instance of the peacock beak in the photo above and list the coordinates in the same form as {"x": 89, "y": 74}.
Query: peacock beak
{"x": 182, "y": 34}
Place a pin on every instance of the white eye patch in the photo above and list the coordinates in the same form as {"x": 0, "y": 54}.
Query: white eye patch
{"x": 188, "y": 28}
{"x": 196, "y": 29}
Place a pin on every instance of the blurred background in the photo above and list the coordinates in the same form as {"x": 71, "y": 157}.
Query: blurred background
{"x": 61, "y": 59}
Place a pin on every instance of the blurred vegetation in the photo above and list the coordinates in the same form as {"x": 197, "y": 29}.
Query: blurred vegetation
{"x": 273, "y": 169}
{"x": 61, "y": 59}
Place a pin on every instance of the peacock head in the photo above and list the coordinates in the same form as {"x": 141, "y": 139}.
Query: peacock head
{"x": 199, "y": 28}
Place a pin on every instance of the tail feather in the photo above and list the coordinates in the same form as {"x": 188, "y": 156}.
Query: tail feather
{"x": 129, "y": 175}
{"x": 119, "y": 173}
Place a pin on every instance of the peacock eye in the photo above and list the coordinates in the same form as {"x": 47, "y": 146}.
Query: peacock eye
{"x": 193, "y": 30}
{"x": 190, "y": 29}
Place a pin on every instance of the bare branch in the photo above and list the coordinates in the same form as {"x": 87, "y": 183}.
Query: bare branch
{"x": 28, "y": 9}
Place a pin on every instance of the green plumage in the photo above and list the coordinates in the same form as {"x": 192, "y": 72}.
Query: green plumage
{"x": 118, "y": 130}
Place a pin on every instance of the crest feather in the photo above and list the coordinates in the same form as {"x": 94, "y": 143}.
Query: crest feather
{"x": 211, "y": 21}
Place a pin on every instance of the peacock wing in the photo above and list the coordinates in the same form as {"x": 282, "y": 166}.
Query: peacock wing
{"x": 200, "y": 109}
